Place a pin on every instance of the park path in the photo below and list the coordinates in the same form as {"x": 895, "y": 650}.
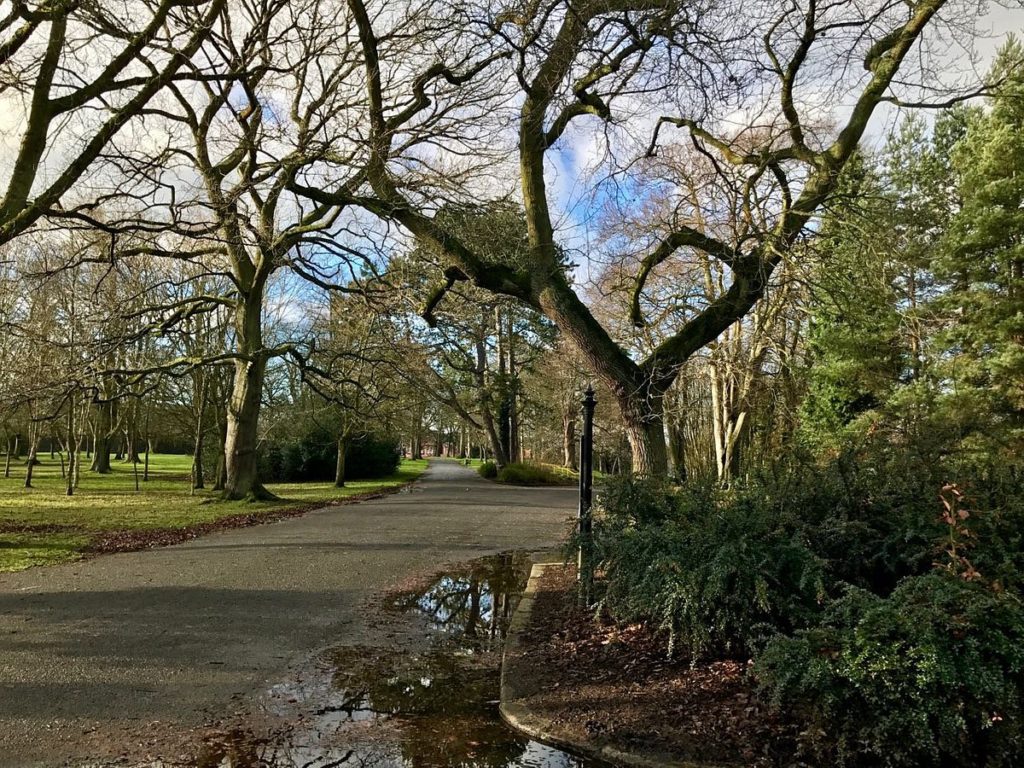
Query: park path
{"x": 95, "y": 651}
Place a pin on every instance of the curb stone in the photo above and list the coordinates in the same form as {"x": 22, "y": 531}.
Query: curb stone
{"x": 515, "y": 704}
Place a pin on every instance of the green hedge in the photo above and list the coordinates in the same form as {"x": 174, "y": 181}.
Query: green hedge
{"x": 932, "y": 675}
{"x": 532, "y": 474}
{"x": 719, "y": 581}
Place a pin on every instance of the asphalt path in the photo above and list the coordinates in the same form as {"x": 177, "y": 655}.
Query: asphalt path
{"x": 96, "y": 652}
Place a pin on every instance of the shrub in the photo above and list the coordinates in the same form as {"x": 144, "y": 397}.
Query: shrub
{"x": 310, "y": 458}
{"x": 720, "y": 579}
{"x": 532, "y": 474}
{"x": 314, "y": 456}
{"x": 631, "y": 501}
{"x": 371, "y": 456}
{"x": 488, "y": 470}
{"x": 933, "y": 675}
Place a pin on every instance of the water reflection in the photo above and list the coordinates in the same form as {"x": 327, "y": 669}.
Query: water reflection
{"x": 360, "y": 706}
{"x": 474, "y": 603}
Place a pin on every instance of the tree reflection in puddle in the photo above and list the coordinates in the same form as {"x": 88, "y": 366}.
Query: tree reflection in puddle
{"x": 472, "y": 604}
{"x": 361, "y": 706}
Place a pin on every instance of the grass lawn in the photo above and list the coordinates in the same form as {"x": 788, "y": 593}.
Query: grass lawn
{"x": 42, "y": 525}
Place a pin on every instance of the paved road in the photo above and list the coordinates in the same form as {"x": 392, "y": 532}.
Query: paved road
{"x": 95, "y": 650}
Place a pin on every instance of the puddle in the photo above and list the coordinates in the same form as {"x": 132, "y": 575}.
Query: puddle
{"x": 437, "y": 707}
{"x": 470, "y": 606}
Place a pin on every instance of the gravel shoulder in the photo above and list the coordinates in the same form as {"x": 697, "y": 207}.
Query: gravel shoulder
{"x": 108, "y": 650}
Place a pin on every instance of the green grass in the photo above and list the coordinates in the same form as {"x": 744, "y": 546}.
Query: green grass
{"x": 106, "y": 503}
{"x": 19, "y": 551}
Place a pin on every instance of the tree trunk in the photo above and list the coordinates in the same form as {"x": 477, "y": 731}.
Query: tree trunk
{"x": 675, "y": 439}
{"x": 646, "y": 432}
{"x": 131, "y": 444}
{"x": 197, "y": 452}
{"x": 104, "y": 426}
{"x": 504, "y": 432}
{"x": 242, "y": 438}
{"x": 197, "y": 463}
{"x": 30, "y": 465}
{"x": 515, "y": 450}
{"x": 504, "y": 392}
{"x": 72, "y": 449}
{"x": 569, "y": 440}
{"x": 220, "y": 475}
{"x": 7, "y": 459}
{"x": 78, "y": 462}
{"x": 244, "y": 407}
{"x": 497, "y": 447}
{"x": 132, "y": 432}
{"x": 416, "y": 444}
{"x": 220, "y": 472}
{"x": 728, "y": 422}
{"x": 339, "y": 466}
{"x": 638, "y": 391}
{"x": 149, "y": 447}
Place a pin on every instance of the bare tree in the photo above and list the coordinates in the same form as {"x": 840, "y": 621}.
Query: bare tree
{"x": 254, "y": 110}
{"x": 607, "y": 60}
{"x": 80, "y": 72}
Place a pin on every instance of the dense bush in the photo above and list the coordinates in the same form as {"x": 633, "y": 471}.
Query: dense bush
{"x": 886, "y": 626}
{"x": 371, "y": 456}
{"x": 628, "y": 501}
{"x": 720, "y": 579}
{"x": 933, "y": 675}
{"x": 488, "y": 470}
{"x": 532, "y": 474}
{"x": 307, "y": 459}
{"x": 314, "y": 456}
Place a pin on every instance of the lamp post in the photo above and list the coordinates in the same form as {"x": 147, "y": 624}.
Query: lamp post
{"x": 586, "y": 521}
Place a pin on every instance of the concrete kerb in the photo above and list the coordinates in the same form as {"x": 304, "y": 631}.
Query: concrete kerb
{"x": 515, "y": 705}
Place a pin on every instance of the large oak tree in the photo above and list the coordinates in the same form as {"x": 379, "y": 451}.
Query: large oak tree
{"x": 540, "y": 68}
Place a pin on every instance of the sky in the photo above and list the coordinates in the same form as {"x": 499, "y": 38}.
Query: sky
{"x": 568, "y": 180}
{"x": 568, "y": 162}
{"x": 997, "y": 24}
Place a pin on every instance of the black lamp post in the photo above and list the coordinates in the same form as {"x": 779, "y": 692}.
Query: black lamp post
{"x": 586, "y": 520}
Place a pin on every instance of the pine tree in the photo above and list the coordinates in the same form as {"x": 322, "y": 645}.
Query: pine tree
{"x": 855, "y": 357}
{"x": 983, "y": 251}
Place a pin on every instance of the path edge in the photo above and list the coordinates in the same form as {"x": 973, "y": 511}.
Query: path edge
{"x": 515, "y": 709}
{"x": 172, "y": 537}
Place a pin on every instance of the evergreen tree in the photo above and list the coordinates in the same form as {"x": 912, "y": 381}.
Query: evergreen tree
{"x": 872, "y": 342}
{"x": 983, "y": 253}
{"x": 854, "y": 354}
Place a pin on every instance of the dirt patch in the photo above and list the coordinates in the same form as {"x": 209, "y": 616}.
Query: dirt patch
{"x": 607, "y": 684}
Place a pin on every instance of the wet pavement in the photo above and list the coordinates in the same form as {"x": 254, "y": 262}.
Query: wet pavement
{"x": 133, "y": 657}
{"x": 429, "y": 699}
